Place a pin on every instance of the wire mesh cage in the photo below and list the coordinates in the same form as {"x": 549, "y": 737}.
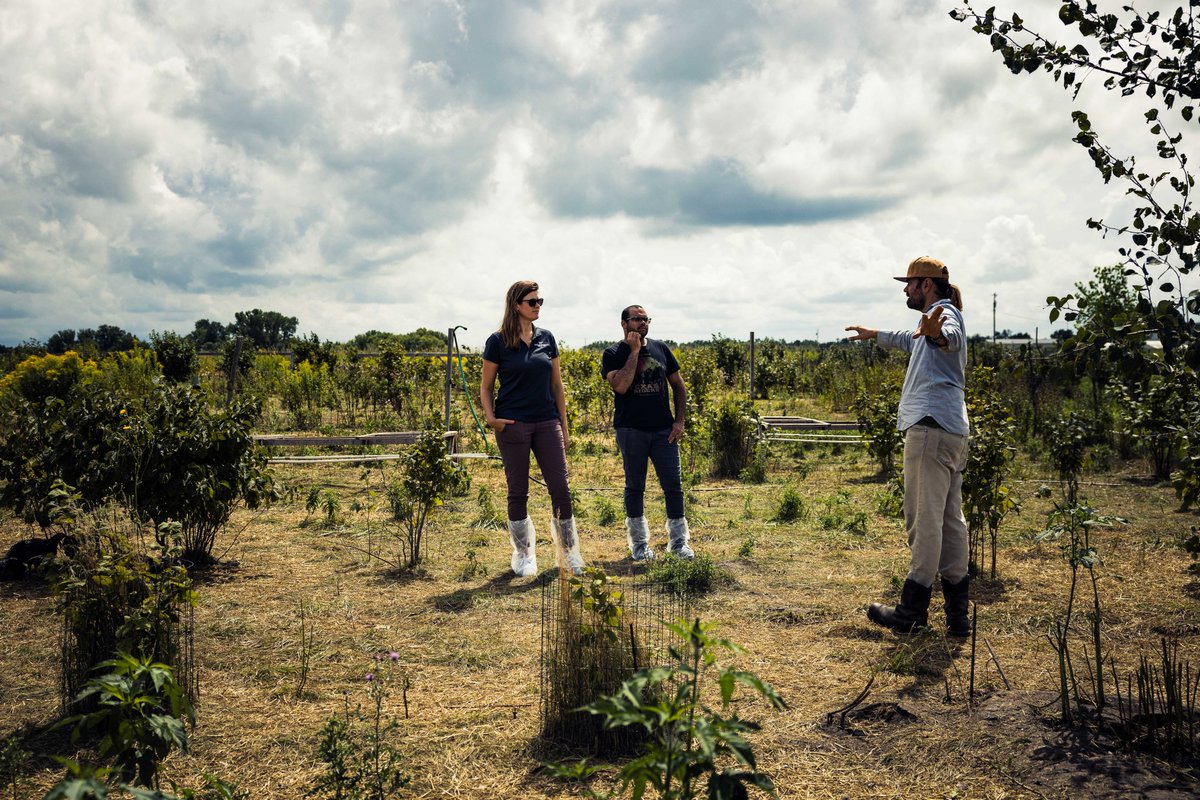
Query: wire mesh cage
{"x": 113, "y": 596}
{"x": 597, "y": 631}
{"x": 83, "y": 646}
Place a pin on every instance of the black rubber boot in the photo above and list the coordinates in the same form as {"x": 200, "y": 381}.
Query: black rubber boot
{"x": 911, "y": 613}
{"x": 957, "y": 595}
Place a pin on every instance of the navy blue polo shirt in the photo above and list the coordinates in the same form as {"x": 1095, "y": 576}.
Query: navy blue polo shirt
{"x": 646, "y": 405}
{"x": 525, "y": 393}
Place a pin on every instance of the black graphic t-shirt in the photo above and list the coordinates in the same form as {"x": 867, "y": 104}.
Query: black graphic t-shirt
{"x": 646, "y": 405}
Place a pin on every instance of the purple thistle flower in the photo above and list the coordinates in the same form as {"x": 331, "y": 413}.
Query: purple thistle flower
{"x": 394, "y": 656}
{"x": 370, "y": 677}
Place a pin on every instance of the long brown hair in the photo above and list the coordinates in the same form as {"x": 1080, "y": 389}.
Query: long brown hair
{"x": 510, "y": 323}
{"x": 948, "y": 290}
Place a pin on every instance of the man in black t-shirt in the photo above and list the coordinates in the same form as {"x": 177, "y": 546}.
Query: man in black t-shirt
{"x": 649, "y": 426}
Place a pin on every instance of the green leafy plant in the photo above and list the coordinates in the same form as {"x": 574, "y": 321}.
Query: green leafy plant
{"x": 792, "y": 507}
{"x": 13, "y": 756}
{"x": 1150, "y": 413}
{"x": 1071, "y": 526}
{"x": 139, "y": 716}
{"x": 429, "y": 476}
{"x": 196, "y": 466}
{"x": 163, "y": 454}
{"x": 601, "y": 597}
{"x": 312, "y": 501}
{"x": 312, "y": 350}
{"x": 1191, "y": 543}
{"x": 890, "y": 502}
{"x": 593, "y": 651}
{"x": 606, "y": 512}
{"x": 117, "y": 593}
{"x": 305, "y": 391}
{"x": 687, "y": 576}
{"x": 332, "y": 507}
{"x": 81, "y": 782}
{"x": 84, "y": 782}
{"x": 360, "y": 762}
{"x": 746, "y": 549}
{"x": 37, "y": 379}
{"x": 1186, "y": 479}
{"x": 987, "y": 490}
{"x": 1066, "y": 443}
{"x": 175, "y": 354}
{"x": 489, "y": 518}
{"x": 733, "y": 435}
{"x": 836, "y": 514}
{"x": 876, "y": 406}
{"x": 472, "y": 567}
{"x": 755, "y": 470}
{"x": 748, "y": 508}
{"x": 1137, "y": 53}
{"x": 688, "y": 739}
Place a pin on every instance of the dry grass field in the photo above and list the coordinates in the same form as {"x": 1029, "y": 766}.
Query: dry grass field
{"x": 469, "y": 643}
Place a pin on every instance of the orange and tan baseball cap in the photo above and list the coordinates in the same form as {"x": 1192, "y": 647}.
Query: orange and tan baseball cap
{"x": 926, "y": 267}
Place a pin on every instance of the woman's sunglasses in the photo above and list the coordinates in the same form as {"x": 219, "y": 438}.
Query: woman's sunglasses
{"x": 533, "y": 302}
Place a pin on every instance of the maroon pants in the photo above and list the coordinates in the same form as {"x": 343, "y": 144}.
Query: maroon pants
{"x": 544, "y": 440}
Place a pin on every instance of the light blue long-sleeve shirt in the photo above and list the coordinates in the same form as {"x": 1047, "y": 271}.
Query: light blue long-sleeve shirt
{"x": 935, "y": 383}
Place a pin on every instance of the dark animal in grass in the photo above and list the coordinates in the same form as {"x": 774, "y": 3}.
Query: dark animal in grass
{"x": 27, "y": 554}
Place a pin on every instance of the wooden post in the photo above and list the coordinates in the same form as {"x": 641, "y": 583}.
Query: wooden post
{"x": 751, "y": 366}
{"x": 233, "y": 370}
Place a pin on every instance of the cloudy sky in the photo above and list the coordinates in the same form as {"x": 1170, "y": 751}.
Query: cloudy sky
{"x": 734, "y": 165}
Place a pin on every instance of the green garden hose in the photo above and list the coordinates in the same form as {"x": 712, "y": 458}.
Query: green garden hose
{"x": 467, "y": 393}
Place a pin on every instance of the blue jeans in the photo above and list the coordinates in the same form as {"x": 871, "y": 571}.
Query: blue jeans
{"x": 639, "y": 447}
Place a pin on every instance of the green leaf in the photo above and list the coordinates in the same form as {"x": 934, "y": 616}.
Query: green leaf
{"x": 728, "y": 682}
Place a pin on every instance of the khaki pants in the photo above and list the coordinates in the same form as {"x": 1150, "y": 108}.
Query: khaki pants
{"x": 937, "y": 533}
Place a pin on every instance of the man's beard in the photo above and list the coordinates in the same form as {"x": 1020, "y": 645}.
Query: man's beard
{"x": 917, "y": 303}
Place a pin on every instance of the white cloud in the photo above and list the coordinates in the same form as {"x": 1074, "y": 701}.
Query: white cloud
{"x": 359, "y": 164}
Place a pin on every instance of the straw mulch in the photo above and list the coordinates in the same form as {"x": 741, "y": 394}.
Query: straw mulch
{"x": 469, "y": 643}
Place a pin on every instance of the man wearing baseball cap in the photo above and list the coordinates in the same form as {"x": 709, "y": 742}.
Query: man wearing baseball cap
{"x": 933, "y": 417}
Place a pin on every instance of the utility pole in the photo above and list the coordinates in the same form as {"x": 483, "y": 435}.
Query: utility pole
{"x": 993, "y": 317}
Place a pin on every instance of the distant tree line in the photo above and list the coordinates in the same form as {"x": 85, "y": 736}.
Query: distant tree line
{"x": 270, "y": 330}
{"x": 262, "y": 330}
{"x": 259, "y": 331}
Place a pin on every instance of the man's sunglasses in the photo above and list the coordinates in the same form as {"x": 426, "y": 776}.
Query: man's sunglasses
{"x": 533, "y": 302}
{"x": 638, "y": 319}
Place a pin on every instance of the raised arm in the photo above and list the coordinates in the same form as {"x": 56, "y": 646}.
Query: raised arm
{"x": 941, "y": 329}
{"x": 621, "y": 379}
{"x": 861, "y": 334}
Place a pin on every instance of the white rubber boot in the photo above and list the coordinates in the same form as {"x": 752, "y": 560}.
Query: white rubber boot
{"x": 638, "y": 533}
{"x": 678, "y": 536}
{"x": 524, "y": 542}
{"x": 568, "y": 540}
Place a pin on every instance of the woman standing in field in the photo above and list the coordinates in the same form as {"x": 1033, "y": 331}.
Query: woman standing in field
{"x": 529, "y": 415}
